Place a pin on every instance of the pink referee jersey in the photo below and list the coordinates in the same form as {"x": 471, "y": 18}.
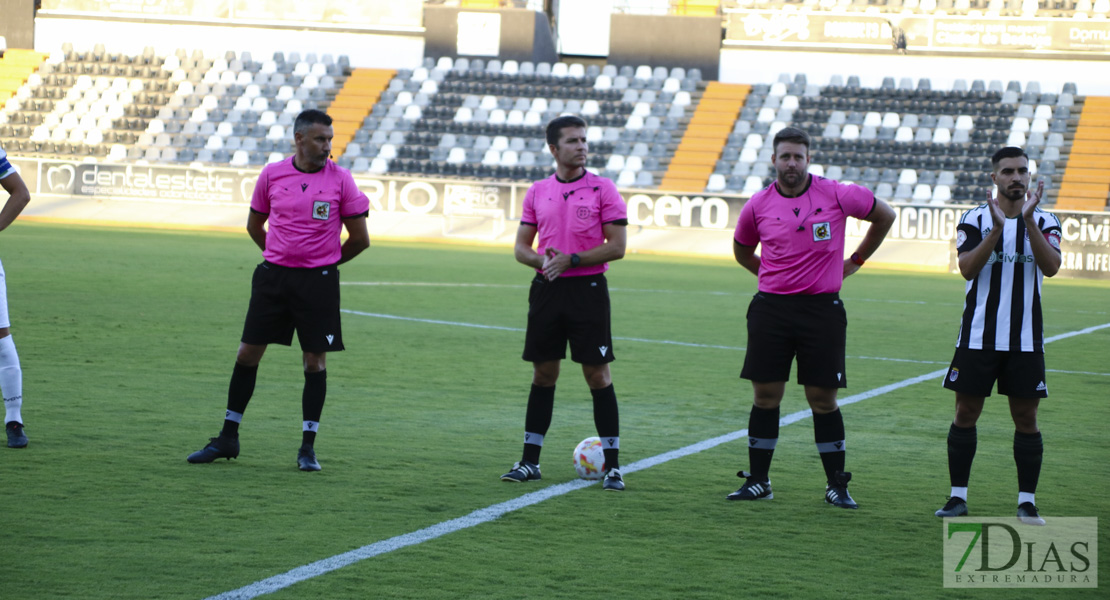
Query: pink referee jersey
{"x": 305, "y": 212}
{"x": 802, "y": 237}
{"x": 569, "y": 216}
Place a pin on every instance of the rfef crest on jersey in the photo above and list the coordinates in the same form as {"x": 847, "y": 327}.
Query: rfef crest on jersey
{"x": 822, "y": 232}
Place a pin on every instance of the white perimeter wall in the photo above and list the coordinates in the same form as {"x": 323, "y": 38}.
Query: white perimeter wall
{"x": 364, "y": 49}
{"x": 1092, "y": 77}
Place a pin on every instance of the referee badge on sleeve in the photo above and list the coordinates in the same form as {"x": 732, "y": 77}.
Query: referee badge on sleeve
{"x": 822, "y": 232}
{"x": 321, "y": 209}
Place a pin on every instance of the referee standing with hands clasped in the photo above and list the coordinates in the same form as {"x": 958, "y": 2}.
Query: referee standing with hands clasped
{"x": 581, "y": 221}
{"x": 307, "y": 200}
{"x": 800, "y": 222}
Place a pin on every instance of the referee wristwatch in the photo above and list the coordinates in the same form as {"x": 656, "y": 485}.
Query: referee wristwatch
{"x": 574, "y": 260}
{"x": 856, "y": 258}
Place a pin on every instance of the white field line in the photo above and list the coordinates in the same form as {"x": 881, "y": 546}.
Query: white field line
{"x": 492, "y": 512}
{"x": 521, "y": 330}
{"x": 652, "y": 291}
{"x": 663, "y": 342}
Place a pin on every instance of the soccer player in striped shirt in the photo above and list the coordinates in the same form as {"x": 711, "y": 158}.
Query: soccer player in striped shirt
{"x": 1005, "y": 248}
{"x": 11, "y": 376}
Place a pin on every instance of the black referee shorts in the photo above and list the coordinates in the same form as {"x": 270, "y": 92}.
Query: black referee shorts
{"x": 1019, "y": 374}
{"x": 574, "y": 309}
{"x": 811, "y": 327}
{"x": 284, "y": 299}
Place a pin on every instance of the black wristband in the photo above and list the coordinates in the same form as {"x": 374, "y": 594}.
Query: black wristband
{"x": 574, "y": 260}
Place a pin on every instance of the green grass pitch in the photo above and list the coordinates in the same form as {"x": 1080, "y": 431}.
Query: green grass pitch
{"x": 127, "y": 338}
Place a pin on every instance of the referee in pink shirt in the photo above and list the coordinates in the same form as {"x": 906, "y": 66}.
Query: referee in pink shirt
{"x": 800, "y": 220}
{"x": 581, "y": 221}
{"x": 307, "y": 200}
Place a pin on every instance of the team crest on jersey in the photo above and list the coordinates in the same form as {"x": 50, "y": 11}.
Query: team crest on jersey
{"x": 321, "y": 209}
{"x": 961, "y": 237}
{"x": 822, "y": 232}
{"x": 953, "y": 374}
{"x": 583, "y": 212}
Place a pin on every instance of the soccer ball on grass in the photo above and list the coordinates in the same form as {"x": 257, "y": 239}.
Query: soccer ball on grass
{"x": 589, "y": 459}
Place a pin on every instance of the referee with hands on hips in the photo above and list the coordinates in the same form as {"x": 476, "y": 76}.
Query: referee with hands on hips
{"x": 581, "y": 221}
{"x": 800, "y": 221}
{"x": 307, "y": 200}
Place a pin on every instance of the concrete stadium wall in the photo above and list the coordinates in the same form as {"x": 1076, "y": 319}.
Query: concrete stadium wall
{"x": 370, "y": 50}
{"x": 764, "y": 66}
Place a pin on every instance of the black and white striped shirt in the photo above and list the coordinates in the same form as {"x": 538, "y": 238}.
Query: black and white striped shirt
{"x": 1002, "y": 304}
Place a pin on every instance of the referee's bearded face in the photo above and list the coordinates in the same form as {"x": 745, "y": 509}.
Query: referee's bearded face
{"x": 314, "y": 145}
{"x": 1011, "y": 175}
{"x": 572, "y": 149}
{"x": 792, "y": 163}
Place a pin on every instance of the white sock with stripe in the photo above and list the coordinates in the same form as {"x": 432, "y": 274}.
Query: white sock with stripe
{"x": 11, "y": 381}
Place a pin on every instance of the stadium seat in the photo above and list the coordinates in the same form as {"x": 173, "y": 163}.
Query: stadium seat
{"x": 884, "y": 191}
{"x": 942, "y": 194}
{"x": 752, "y": 184}
{"x": 378, "y": 166}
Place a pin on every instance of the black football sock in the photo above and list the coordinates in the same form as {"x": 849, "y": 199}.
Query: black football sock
{"x": 608, "y": 423}
{"x": 312, "y": 404}
{"x": 828, "y": 433}
{"x": 962, "y": 442}
{"x": 239, "y": 393}
{"x": 1028, "y": 453}
{"x": 763, "y": 435}
{"x": 537, "y": 420}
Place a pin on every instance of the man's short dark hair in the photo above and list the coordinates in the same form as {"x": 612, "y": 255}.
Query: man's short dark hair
{"x": 558, "y": 124}
{"x": 791, "y": 135}
{"x": 310, "y": 117}
{"x": 1007, "y": 152}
